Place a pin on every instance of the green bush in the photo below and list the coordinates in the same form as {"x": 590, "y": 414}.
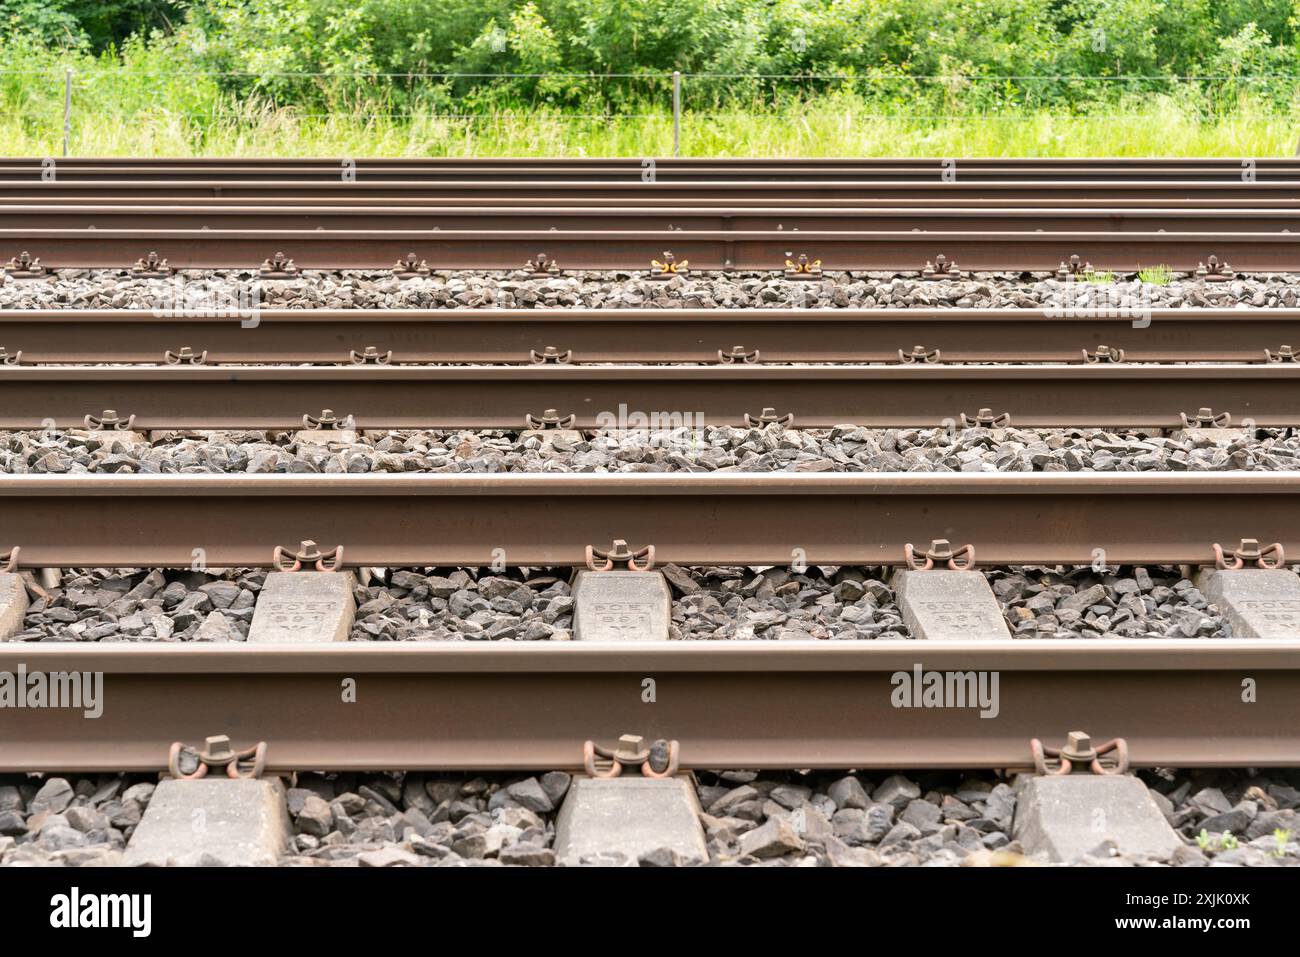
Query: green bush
{"x": 1019, "y": 64}
{"x": 891, "y": 49}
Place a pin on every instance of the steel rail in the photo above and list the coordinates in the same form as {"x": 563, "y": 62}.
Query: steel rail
{"x": 451, "y": 175}
{"x": 1224, "y": 162}
{"x": 638, "y": 170}
{"x": 786, "y": 192}
{"x": 332, "y": 202}
{"x": 516, "y": 705}
{"x": 705, "y": 163}
{"x": 141, "y": 521}
{"x": 615, "y": 249}
{"x": 1060, "y": 218}
{"x": 523, "y": 336}
{"x": 500, "y": 397}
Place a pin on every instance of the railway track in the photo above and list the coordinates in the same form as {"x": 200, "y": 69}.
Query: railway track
{"x": 685, "y": 219}
{"x": 730, "y": 705}
{"x": 591, "y": 396}
{"x": 787, "y": 192}
{"x": 757, "y": 170}
{"x": 721, "y": 205}
{"x": 583, "y": 336}
{"x": 692, "y": 519}
{"x": 631, "y": 250}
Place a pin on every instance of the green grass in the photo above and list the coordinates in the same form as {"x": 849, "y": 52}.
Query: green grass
{"x": 1103, "y": 278}
{"x": 1218, "y": 842}
{"x": 1156, "y": 275}
{"x": 1282, "y": 837}
{"x": 835, "y": 126}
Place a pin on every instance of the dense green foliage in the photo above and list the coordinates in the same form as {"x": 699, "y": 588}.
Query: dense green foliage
{"x": 195, "y": 64}
{"x": 1130, "y": 46}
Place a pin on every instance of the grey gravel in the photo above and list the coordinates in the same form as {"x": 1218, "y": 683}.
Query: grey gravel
{"x": 68, "y": 821}
{"x": 733, "y": 603}
{"x": 711, "y": 449}
{"x": 103, "y": 289}
{"x": 417, "y": 820}
{"x": 939, "y": 819}
{"x": 1227, "y": 818}
{"x": 142, "y": 605}
{"x": 1140, "y": 602}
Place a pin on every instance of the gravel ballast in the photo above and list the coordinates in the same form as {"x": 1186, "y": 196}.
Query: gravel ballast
{"x": 932, "y": 819}
{"x": 729, "y": 603}
{"x": 208, "y": 289}
{"x": 710, "y": 449}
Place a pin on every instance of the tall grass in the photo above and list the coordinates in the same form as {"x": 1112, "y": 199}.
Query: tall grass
{"x": 837, "y": 126}
{"x": 139, "y": 101}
